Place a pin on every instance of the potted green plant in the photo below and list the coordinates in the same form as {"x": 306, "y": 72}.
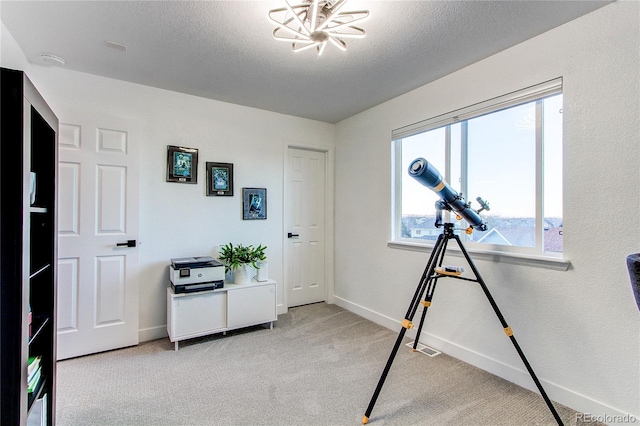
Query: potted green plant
{"x": 262, "y": 271}
{"x": 238, "y": 258}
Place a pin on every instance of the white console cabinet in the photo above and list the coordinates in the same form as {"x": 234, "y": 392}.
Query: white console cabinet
{"x": 235, "y": 306}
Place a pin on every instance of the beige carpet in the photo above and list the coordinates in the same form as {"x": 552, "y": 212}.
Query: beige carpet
{"x": 318, "y": 366}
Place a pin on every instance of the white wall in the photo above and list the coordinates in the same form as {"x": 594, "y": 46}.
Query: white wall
{"x": 578, "y": 328}
{"x": 178, "y": 220}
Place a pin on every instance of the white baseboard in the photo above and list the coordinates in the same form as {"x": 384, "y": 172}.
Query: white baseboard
{"x": 557, "y": 393}
{"x": 281, "y": 309}
{"x": 152, "y": 333}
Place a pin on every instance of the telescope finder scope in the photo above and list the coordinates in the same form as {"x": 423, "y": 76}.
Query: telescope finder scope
{"x": 428, "y": 175}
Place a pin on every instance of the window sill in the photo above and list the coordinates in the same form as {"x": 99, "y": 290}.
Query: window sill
{"x": 539, "y": 261}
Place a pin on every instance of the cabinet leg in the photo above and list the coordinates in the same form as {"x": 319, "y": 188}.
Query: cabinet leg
{"x": 176, "y": 345}
{"x": 271, "y": 325}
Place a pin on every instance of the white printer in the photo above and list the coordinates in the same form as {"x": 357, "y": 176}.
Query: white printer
{"x": 189, "y": 274}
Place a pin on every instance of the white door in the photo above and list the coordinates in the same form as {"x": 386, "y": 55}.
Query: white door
{"x": 305, "y": 226}
{"x": 97, "y": 212}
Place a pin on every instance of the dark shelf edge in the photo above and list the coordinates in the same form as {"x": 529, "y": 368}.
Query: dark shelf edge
{"x": 39, "y": 271}
{"x": 40, "y": 321}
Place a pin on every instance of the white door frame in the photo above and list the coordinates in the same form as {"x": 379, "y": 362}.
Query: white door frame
{"x": 329, "y": 167}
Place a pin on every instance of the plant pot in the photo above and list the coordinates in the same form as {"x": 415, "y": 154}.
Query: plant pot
{"x": 242, "y": 275}
{"x": 262, "y": 273}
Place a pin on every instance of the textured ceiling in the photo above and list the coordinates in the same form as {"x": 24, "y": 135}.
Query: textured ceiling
{"x": 223, "y": 50}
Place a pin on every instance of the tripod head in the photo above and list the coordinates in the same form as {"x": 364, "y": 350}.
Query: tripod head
{"x": 450, "y": 200}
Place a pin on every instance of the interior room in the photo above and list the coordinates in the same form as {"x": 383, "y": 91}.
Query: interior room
{"x": 316, "y": 136}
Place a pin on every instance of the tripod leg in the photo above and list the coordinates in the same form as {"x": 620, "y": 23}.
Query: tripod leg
{"x": 406, "y": 323}
{"x": 431, "y": 288}
{"x": 509, "y": 333}
{"x": 426, "y": 303}
{"x": 387, "y": 367}
{"x": 436, "y": 253}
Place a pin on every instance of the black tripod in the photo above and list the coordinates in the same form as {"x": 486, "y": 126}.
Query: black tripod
{"x": 427, "y": 286}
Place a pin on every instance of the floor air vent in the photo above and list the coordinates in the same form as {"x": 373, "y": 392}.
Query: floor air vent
{"x": 424, "y": 349}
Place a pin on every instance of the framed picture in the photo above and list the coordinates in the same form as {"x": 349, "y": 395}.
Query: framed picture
{"x": 182, "y": 164}
{"x": 219, "y": 178}
{"x": 254, "y": 203}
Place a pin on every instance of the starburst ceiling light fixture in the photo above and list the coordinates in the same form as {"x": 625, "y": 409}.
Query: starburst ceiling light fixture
{"x": 314, "y": 23}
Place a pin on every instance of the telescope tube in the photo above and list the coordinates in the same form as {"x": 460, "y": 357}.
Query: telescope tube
{"x": 429, "y": 176}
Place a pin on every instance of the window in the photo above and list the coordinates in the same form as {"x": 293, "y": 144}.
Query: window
{"x": 508, "y": 151}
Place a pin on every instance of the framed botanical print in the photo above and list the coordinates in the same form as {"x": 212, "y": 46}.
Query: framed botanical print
{"x": 182, "y": 164}
{"x": 219, "y": 178}
{"x": 254, "y": 203}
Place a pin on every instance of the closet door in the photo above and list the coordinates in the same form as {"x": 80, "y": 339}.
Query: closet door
{"x": 98, "y": 268}
{"x": 305, "y": 223}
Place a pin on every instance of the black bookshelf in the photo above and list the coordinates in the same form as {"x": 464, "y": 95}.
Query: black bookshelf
{"x": 28, "y": 251}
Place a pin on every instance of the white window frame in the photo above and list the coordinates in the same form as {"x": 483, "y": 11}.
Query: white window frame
{"x": 515, "y": 254}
